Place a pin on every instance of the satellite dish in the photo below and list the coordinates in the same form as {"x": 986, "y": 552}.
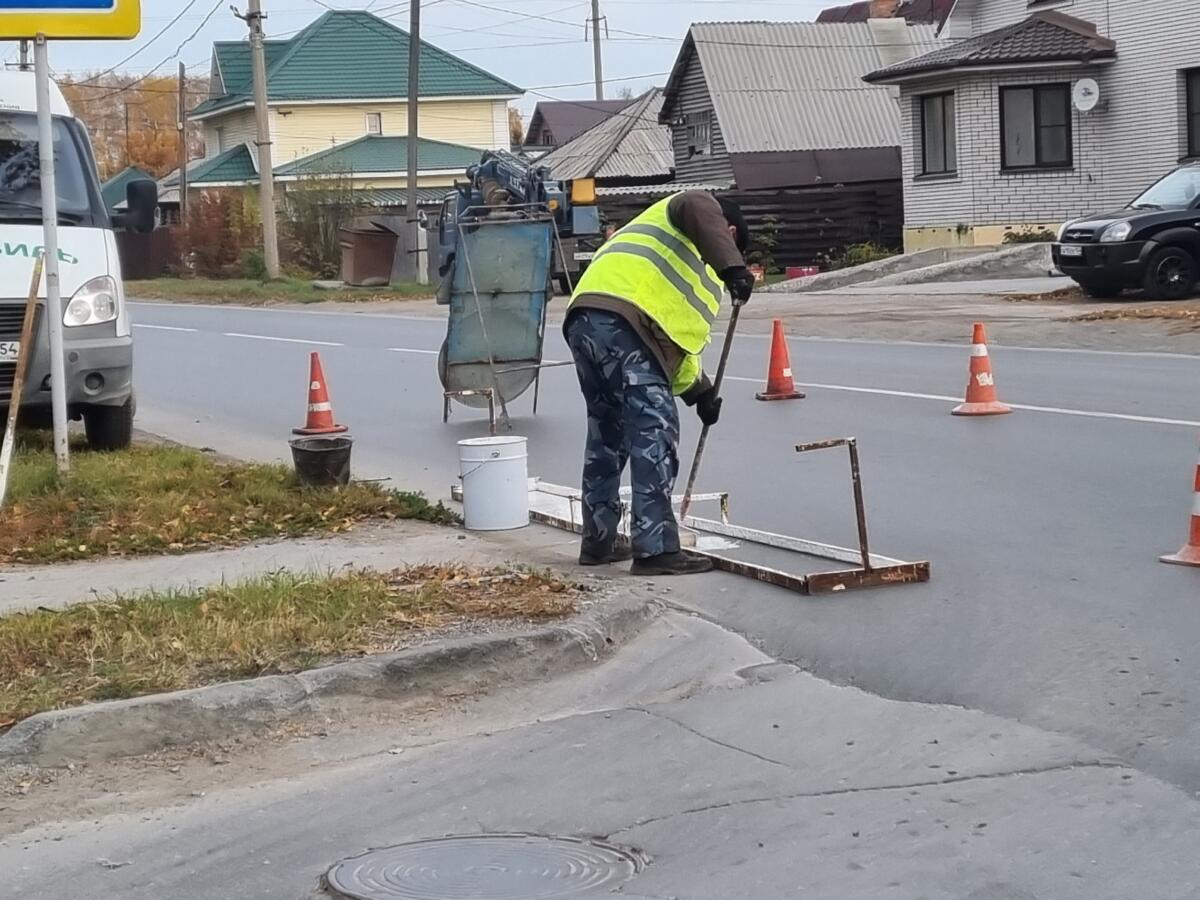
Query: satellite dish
{"x": 1086, "y": 95}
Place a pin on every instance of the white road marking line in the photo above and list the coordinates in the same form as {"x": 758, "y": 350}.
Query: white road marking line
{"x": 282, "y": 340}
{"x": 942, "y": 398}
{"x": 413, "y": 350}
{"x": 163, "y": 327}
{"x": 297, "y": 312}
{"x": 952, "y": 345}
{"x": 939, "y": 345}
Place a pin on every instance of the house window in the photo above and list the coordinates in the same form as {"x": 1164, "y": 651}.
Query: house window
{"x": 1193, "y": 112}
{"x": 699, "y": 133}
{"x": 220, "y": 140}
{"x": 1035, "y": 127}
{"x": 939, "y": 145}
{"x": 375, "y": 123}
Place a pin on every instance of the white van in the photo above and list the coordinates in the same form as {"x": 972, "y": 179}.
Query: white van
{"x": 97, "y": 337}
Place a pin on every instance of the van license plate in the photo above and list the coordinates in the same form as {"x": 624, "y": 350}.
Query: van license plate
{"x": 583, "y": 256}
{"x": 1072, "y": 250}
{"x": 9, "y": 351}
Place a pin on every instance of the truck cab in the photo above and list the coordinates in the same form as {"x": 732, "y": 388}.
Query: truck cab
{"x": 97, "y": 334}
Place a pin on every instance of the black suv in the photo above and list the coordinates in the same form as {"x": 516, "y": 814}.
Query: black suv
{"x": 1152, "y": 244}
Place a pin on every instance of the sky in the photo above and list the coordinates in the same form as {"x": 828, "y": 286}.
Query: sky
{"x": 536, "y": 44}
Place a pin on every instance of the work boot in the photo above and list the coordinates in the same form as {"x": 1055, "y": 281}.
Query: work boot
{"x": 677, "y": 563}
{"x": 616, "y": 555}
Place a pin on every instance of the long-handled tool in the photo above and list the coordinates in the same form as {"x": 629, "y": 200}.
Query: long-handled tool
{"x": 24, "y": 352}
{"x": 691, "y": 482}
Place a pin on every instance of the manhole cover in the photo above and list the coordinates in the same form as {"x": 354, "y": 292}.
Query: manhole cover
{"x": 484, "y": 867}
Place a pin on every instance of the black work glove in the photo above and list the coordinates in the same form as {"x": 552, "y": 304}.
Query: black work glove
{"x": 708, "y": 407}
{"x": 740, "y": 282}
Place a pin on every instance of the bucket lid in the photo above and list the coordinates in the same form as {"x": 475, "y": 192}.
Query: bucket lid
{"x": 505, "y": 441}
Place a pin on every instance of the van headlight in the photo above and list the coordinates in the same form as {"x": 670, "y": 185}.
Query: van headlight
{"x": 93, "y": 304}
{"x": 1116, "y": 233}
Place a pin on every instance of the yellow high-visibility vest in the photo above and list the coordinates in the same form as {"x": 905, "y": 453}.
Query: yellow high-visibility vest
{"x": 656, "y": 267}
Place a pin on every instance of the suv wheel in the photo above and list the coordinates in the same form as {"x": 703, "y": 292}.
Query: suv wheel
{"x": 109, "y": 427}
{"x": 1171, "y": 274}
{"x": 1101, "y": 290}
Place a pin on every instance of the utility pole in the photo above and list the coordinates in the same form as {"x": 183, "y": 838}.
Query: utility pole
{"x": 266, "y": 172}
{"x": 127, "y": 157}
{"x": 54, "y": 312}
{"x": 183, "y": 144}
{"x": 597, "y": 56}
{"x": 24, "y": 64}
{"x": 414, "y": 96}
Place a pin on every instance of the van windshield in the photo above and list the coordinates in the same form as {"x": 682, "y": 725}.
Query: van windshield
{"x": 20, "y": 174}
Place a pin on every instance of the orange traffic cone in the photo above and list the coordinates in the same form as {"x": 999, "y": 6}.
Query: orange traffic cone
{"x": 1190, "y": 554}
{"x": 981, "y": 389}
{"x": 320, "y": 411}
{"x": 780, "y": 385}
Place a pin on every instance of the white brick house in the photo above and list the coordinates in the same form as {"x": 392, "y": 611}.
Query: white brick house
{"x": 992, "y": 141}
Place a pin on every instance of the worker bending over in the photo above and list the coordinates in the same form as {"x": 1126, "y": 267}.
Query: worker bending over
{"x": 637, "y": 323}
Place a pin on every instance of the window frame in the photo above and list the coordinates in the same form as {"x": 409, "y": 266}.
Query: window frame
{"x": 695, "y": 125}
{"x": 378, "y": 117}
{"x": 1191, "y": 111}
{"x": 1039, "y": 164}
{"x": 948, "y": 140}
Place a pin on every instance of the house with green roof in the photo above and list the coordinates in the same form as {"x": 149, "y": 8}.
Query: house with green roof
{"x": 337, "y": 95}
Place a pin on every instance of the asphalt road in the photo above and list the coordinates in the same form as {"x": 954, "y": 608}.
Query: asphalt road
{"x": 1047, "y": 605}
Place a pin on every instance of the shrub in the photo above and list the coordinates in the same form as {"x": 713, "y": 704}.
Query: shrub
{"x": 857, "y": 255}
{"x": 315, "y": 208}
{"x": 254, "y": 264}
{"x": 764, "y": 242}
{"x": 1025, "y": 236}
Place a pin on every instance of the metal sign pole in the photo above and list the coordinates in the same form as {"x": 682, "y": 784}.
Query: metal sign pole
{"x": 54, "y": 312}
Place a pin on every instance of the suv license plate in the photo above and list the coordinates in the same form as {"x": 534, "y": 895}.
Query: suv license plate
{"x": 583, "y": 256}
{"x": 9, "y": 351}
{"x": 1071, "y": 250}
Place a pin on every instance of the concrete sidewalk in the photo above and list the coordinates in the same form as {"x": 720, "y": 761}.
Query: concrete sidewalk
{"x": 382, "y": 547}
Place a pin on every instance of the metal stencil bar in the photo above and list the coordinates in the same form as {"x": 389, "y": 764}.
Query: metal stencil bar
{"x": 784, "y": 542}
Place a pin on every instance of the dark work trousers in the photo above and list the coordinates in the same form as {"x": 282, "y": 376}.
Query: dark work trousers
{"x": 631, "y": 418}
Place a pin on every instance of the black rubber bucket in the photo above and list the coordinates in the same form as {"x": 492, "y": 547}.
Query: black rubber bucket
{"x": 322, "y": 461}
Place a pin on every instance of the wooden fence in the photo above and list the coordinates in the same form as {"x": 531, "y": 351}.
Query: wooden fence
{"x": 149, "y": 255}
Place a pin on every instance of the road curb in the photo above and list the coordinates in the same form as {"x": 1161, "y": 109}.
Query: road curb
{"x": 123, "y": 728}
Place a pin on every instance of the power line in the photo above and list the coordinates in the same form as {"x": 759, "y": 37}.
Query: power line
{"x": 178, "y": 50}
{"x": 146, "y": 45}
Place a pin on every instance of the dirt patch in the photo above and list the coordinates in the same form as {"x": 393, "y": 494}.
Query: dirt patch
{"x": 1062, "y": 295}
{"x": 1186, "y": 315}
{"x": 277, "y": 624}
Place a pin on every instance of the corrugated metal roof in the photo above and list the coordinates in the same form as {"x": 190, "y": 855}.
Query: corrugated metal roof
{"x": 628, "y": 144}
{"x": 349, "y": 54}
{"x": 779, "y": 86}
{"x": 565, "y": 120}
{"x": 929, "y": 12}
{"x": 658, "y": 190}
{"x": 383, "y": 153}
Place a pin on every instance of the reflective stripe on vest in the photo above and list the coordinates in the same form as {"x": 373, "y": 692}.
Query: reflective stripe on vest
{"x": 656, "y": 267}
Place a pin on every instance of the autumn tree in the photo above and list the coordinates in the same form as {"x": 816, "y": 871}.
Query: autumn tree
{"x": 132, "y": 119}
{"x": 516, "y": 126}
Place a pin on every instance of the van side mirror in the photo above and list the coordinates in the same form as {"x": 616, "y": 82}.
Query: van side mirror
{"x": 141, "y": 198}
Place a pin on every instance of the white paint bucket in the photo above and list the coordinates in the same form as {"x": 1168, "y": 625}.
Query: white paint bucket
{"x": 495, "y": 481}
